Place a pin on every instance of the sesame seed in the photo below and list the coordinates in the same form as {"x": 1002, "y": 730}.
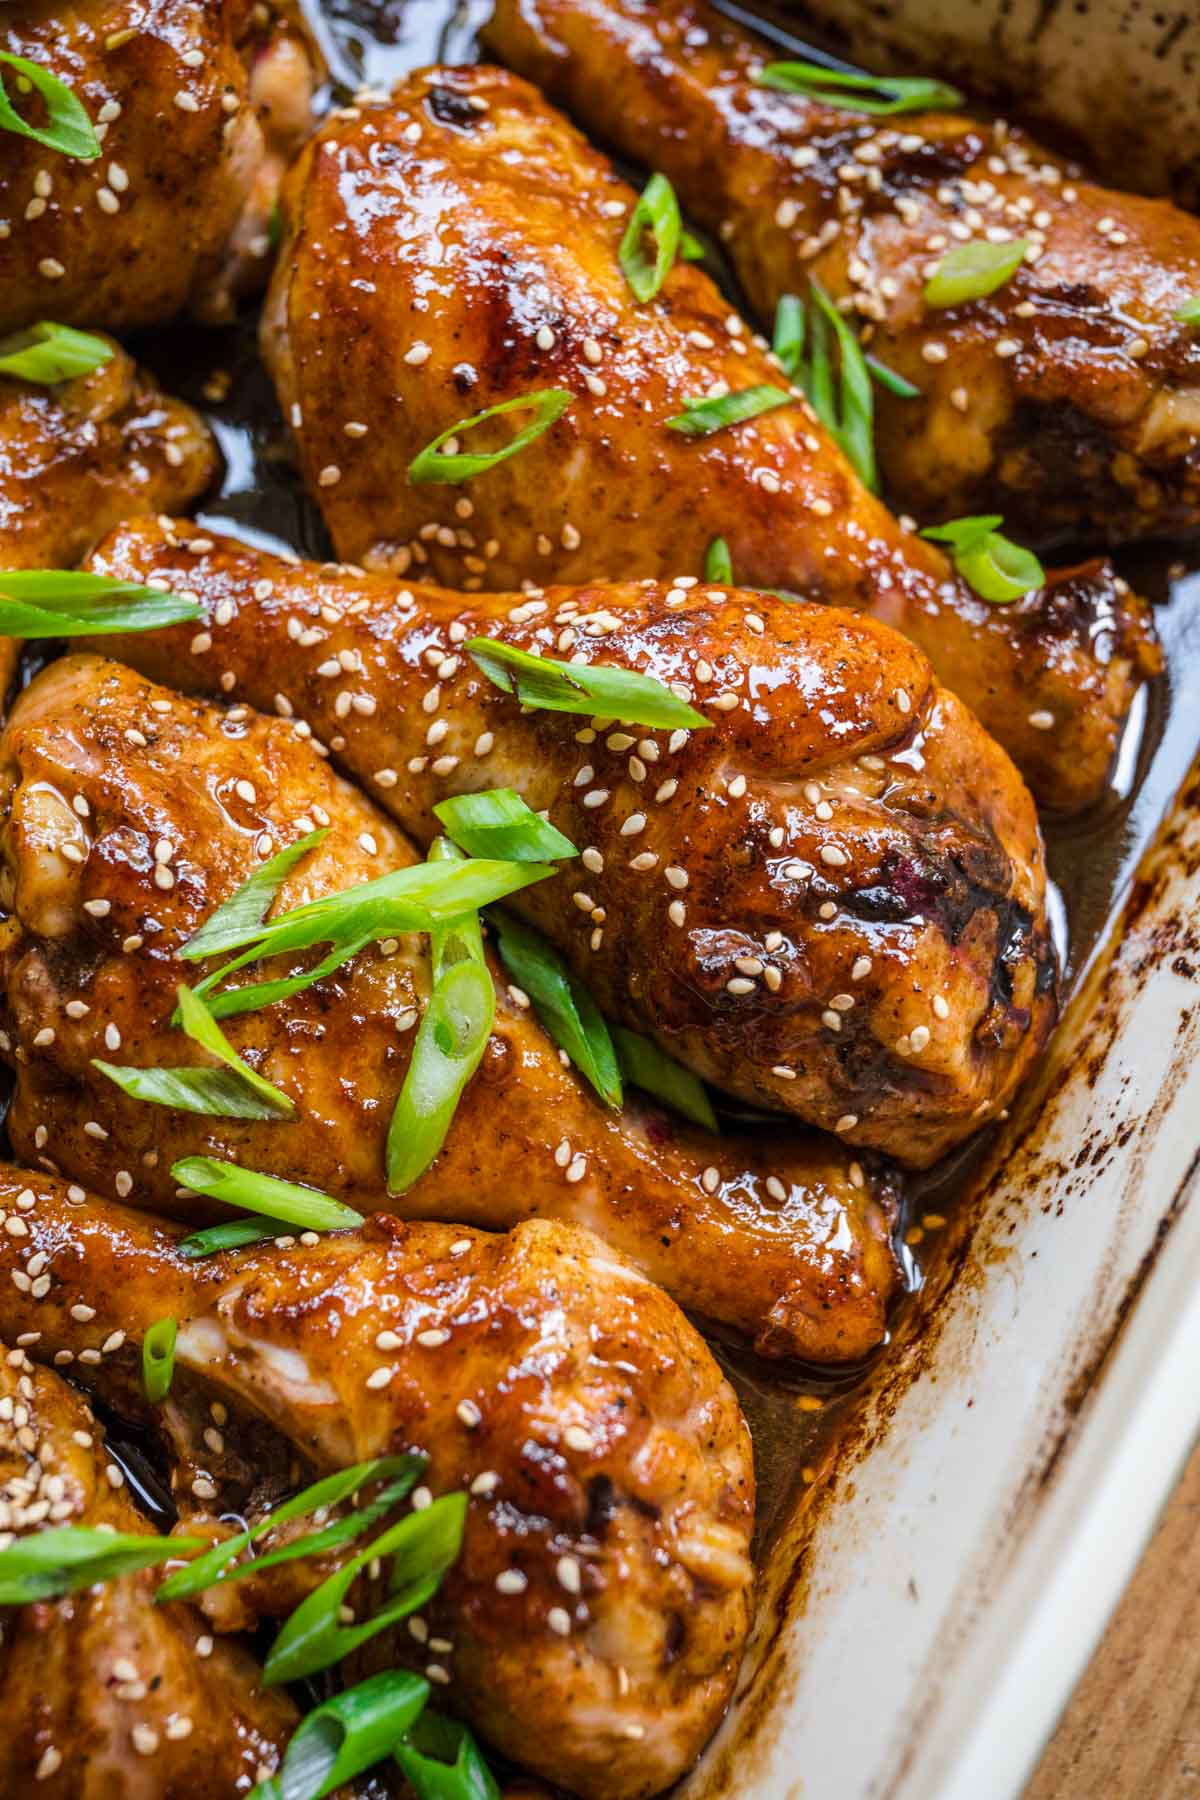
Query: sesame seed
{"x": 577, "y": 1438}
{"x": 567, "y": 1571}
{"x": 635, "y": 823}
{"x": 559, "y": 1621}
{"x": 739, "y": 986}
{"x": 919, "y": 1038}
{"x": 509, "y": 1581}
{"x": 379, "y": 1378}
{"x": 143, "y": 1737}
{"x": 435, "y": 1336}
{"x": 468, "y": 1414}
{"x": 1041, "y": 721}
{"x": 418, "y": 354}
{"x": 847, "y": 1122}
{"x": 934, "y": 352}
{"x": 676, "y": 912}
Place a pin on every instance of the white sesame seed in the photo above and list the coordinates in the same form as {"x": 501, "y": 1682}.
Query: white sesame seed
{"x": 577, "y": 1438}
{"x": 379, "y": 1378}
{"x": 433, "y": 1337}
{"x": 567, "y": 1571}
{"x": 468, "y": 1414}
{"x": 418, "y": 354}
{"x": 1042, "y": 721}
{"x": 508, "y": 1581}
{"x": 919, "y": 1038}
{"x": 559, "y": 1621}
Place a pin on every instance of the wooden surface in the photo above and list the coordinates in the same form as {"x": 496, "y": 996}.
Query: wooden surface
{"x": 1132, "y": 1729}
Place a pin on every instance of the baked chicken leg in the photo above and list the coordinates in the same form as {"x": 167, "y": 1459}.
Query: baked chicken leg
{"x": 783, "y": 1237}
{"x": 831, "y": 902}
{"x": 106, "y": 1692}
{"x": 599, "y": 1606}
{"x": 1068, "y": 399}
{"x": 198, "y": 109}
{"x": 426, "y": 276}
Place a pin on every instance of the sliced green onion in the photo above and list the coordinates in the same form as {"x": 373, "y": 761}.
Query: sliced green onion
{"x": 346, "y": 1735}
{"x": 583, "y": 688}
{"x": 245, "y": 910}
{"x": 158, "y": 1360}
{"x": 498, "y": 823}
{"x": 1189, "y": 312}
{"x": 235, "y": 1234}
{"x": 656, "y": 216}
{"x": 233, "y": 1092}
{"x": 306, "y": 1208}
{"x": 422, "y": 1547}
{"x": 718, "y": 564}
{"x": 440, "y": 1760}
{"x": 788, "y": 342}
{"x": 68, "y": 1557}
{"x": 451, "y": 1040}
{"x": 850, "y": 418}
{"x": 51, "y": 353}
{"x": 972, "y": 271}
{"x": 648, "y": 1067}
{"x": 69, "y": 130}
{"x": 997, "y": 569}
{"x": 214, "y": 1567}
{"x": 548, "y": 404}
{"x": 54, "y": 603}
{"x": 458, "y": 940}
{"x": 853, "y": 90}
{"x": 888, "y": 378}
{"x": 690, "y": 247}
{"x": 701, "y": 417}
{"x": 561, "y": 1002}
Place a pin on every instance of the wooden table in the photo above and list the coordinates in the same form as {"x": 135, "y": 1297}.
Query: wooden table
{"x": 1132, "y": 1729}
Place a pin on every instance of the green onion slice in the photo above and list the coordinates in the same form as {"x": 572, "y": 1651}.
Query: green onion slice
{"x": 656, "y": 216}
{"x": 158, "y": 1360}
{"x": 889, "y": 379}
{"x": 451, "y": 1040}
{"x": 55, "y": 603}
{"x": 561, "y": 1002}
{"x": 440, "y": 1760}
{"x": 972, "y": 271}
{"x": 458, "y": 940}
{"x": 308, "y": 1209}
{"x": 997, "y": 569}
{"x": 235, "y": 1234}
{"x": 853, "y": 90}
{"x": 701, "y": 417}
{"x": 583, "y": 688}
{"x": 399, "y": 1473}
{"x": 346, "y": 1735}
{"x": 547, "y": 405}
{"x": 68, "y": 1557}
{"x": 246, "y": 909}
{"x": 788, "y": 341}
{"x": 690, "y": 247}
{"x": 49, "y": 353}
{"x": 718, "y": 564}
{"x": 498, "y": 823}
{"x": 648, "y": 1067}
{"x": 1189, "y": 312}
{"x": 69, "y": 129}
{"x": 849, "y": 417}
{"x": 422, "y": 1547}
{"x": 233, "y": 1092}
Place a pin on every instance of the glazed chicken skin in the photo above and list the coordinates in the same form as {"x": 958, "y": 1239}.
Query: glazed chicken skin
{"x": 784, "y": 1236}
{"x": 426, "y": 275}
{"x": 831, "y": 902}
{"x": 198, "y": 109}
{"x": 600, "y": 1603}
{"x": 165, "y": 1712}
{"x": 1068, "y": 400}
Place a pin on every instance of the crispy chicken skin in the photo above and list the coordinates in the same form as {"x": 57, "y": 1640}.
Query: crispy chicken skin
{"x": 606, "y": 1457}
{"x": 1069, "y": 400}
{"x": 783, "y": 1236}
{"x": 428, "y": 273}
{"x": 199, "y": 108}
{"x": 106, "y": 1691}
{"x": 831, "y": 903}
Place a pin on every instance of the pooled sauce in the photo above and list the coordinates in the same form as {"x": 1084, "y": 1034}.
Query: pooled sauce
{"x": 792, "y": 1412}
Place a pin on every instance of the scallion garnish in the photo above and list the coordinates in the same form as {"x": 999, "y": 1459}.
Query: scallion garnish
{"x": 690, "y": 247}
{"x": 848, "y": 415}
{"x": 55, "y": 603}
{"x": 997, "y": 569}
{"x": 972, "y": 271}
{"x": 266, "y": 1196}
{"x": 704, "y": 415}
{"x": 853, "y": 90}
{"x": 398, "y": 1473}
{"x": 498, "y": 823}
{"x": 235, "y": 1234}
{"x": 648, "y": 1067}
{"x": 548, "y": 404}
{"x": 440, "y": 1760}
{"x": 1189, "y": 312}
{"x": 421, "y": 1547}
{"x": 889, "y": 379}
{"x": 158, "y": 1360}
{"x": 345, "y": 1735}
{"x": 68, "y": 1557}
{"x": 70, "y": 131}
{"x": 246, "y": 909}
{"x": 718, "y": 564}
{"x": 561, "y": 1002}
{"x": 451, "y": 1039}
{"x": 233, "y": 1092}
{"x": 788, "y": 341}
{"x": 49, "y": 353}
{"x": 458, "y": 940}
{"x": 656, "y": 216}
{"x": 583, "y": 688}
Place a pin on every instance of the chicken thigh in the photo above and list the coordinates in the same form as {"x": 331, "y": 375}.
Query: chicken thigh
{"x": 198, "y": 109}
{"x": 598, "y": 1610}
{"x": 830, "y": 902}
{"x": 783, "y": 1237}
{"x": 428, "y": 273}
{"x": 1068, "y": 399}
{"x": 109, "y": 1694}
